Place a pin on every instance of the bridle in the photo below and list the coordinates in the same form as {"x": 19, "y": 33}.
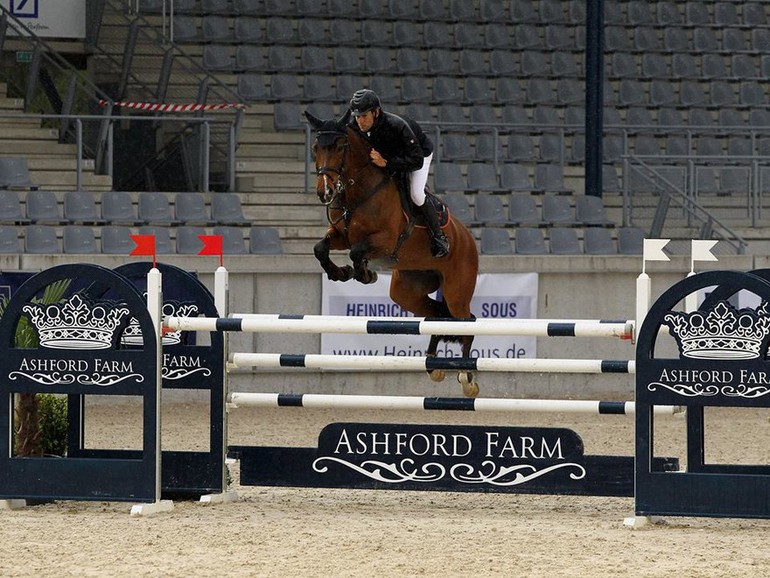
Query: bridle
{"x": 333, "y": 187}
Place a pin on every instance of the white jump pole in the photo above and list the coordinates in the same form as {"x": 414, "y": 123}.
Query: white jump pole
{"x": 267, "y": 323}
{"x": 398, "y": 363}
{"x": 392, "y": 402}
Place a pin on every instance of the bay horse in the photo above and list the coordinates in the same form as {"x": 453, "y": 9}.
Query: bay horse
{"x": 365, "y": 214}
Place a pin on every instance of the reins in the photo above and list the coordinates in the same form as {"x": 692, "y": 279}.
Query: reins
{"x": 341, "y": 188}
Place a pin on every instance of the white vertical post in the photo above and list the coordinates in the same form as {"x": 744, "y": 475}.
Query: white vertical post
{"x": 653, "y": 251}
{"x": 155, "y": 309}
{"x": 221, "y": 291}
{"x": 222, "y": 304}
{"x": 155, "y": 306}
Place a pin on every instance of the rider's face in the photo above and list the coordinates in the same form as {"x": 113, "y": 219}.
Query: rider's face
{"x": 365, "y": 121}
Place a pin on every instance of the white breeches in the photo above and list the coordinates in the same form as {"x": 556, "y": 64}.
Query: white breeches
{"x": 417, "y": 181}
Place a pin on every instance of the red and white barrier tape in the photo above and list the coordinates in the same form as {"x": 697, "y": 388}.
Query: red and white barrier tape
{"x": 150, "y": 106}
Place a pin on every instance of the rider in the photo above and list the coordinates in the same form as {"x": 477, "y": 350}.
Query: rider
{"x": 400, "y": 145}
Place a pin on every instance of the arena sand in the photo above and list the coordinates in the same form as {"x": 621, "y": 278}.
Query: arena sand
{"x": 337, "y": 533}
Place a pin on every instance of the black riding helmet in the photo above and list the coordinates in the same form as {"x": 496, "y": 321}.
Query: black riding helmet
{"x": 363, "y": 101}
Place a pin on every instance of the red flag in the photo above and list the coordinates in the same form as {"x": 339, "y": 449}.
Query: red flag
{"x": 212, "y": 245}
{"x": 145, "y": 245}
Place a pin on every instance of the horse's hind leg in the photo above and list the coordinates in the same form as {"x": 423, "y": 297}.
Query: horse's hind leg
{"x": 434, "y": 374}
{"x": 457, "y": 296}
{"x": 411, "y": 290}
{"x": 466, "y": 378}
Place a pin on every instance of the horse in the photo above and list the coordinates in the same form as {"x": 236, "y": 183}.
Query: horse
{"x": 366, "y": 217}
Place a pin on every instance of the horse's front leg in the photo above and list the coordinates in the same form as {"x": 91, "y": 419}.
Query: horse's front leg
{"x": 333, "y": 272}
{"x": 359, "y": 254}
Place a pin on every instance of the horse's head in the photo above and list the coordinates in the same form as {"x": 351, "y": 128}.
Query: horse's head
{"x": 330, "y": 149}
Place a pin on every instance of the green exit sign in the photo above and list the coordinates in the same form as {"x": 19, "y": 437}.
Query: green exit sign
{"x": 23, "y": 56}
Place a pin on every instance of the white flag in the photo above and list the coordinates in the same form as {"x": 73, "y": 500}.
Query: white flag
{"x": 653, "y": 250}
{"x": 701, "y": 250}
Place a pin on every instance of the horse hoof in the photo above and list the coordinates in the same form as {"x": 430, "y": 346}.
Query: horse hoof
{"x": 373, "y": 277}
{"x": 437, "y": 375}
{"x": 346, "y": 273}
{"x": 470, "y": 389}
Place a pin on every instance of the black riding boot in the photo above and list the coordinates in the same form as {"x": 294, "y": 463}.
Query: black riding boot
{"x": 439, "y": 244}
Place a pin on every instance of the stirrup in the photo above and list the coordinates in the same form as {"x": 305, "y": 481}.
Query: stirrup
{"x": 439, "y": 246}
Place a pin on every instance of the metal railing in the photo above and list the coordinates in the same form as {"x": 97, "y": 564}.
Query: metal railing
{"x": 668, "y": 192}
{"x": 203, "y": 124}
{"x": 176, "y": 69}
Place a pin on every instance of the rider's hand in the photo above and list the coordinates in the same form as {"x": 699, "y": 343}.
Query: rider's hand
{"x": 377, "y": 159}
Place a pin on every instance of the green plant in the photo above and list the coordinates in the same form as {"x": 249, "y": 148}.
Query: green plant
{"x": 27, "y": 430}
{"x": 52, "y": 423}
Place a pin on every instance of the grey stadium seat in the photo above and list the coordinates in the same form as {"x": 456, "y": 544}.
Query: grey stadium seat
{"x": 557, "y": 210}
{"x": 79, "y": 239}
{"x": 598, "y": 241}
{"x": 490, "y": 210}
{"x": 460, "y": 207}
{"x": 564, "y": 241}
{"x": 250, "y": 57}
{"x": 118, "y": 208}
{"x": 41, "y": 240}
{"x": 523, "y": 210}
{"x": 589, "y": 210}
{"x": 530, "y": 241}
{"x": 216, "y": 28}
{"x": 496, "y": 241}
{"x": 232, "y": 240}
{"x": 448, "y": 177}
{"x": 218, "y": 57}
{"x": 162, "y": 236}
{"x": 80, "y": 207}
{"x": 630, "y": 241}
{"x": 116, "y": 240}
{"x": 43, "y": 207}
{"x": 483, "y": 177}
{"x": 265, "y": 241}
{"x": 187, "y": 239}
{"x": 515, "y": 177}
{"x": 9, "y": 239}
{"x": 226, "y": 209}
{"x": 190, "y": 209}
{"x": 155, "y": 208}
{"x": 10, "y": 208}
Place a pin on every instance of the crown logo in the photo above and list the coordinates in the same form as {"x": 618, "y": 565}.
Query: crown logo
{"x": 721, "y": 333}
{"x": 75, "y": 324}
{"x": 133, "y": 333}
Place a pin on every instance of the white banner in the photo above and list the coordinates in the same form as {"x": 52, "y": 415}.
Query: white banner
{"x": 50, "y": 18}
{"x": 510, "y": 296}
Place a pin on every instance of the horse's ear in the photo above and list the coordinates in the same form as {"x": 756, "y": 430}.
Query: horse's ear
{"x": 314, "y": 121}
{"x": 345, "y": 118}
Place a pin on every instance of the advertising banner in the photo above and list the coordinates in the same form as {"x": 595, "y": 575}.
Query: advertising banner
{"x": 511, "y": 296}
{"x": 50, "y": 18}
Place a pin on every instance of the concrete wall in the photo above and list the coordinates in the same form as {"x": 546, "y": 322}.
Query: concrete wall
{"x": 582, "y": 287}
